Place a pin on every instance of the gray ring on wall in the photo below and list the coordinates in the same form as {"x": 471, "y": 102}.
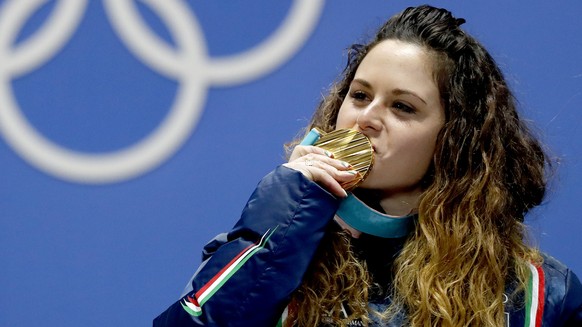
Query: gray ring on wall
{"x": 188, "y": 64}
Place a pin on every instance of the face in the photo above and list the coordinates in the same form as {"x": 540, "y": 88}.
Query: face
{"x": 395, "y": 101}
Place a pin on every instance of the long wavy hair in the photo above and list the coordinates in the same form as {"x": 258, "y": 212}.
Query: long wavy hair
{"x": 488, "y": 170}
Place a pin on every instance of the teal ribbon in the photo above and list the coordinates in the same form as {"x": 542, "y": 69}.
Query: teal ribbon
{"x": 311, "y": 137}
{"x": 359, "y": 216}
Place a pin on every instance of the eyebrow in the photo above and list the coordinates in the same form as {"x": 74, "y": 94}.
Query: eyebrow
{"x": 401, "y": 91}
{"x": 395, "y": 91}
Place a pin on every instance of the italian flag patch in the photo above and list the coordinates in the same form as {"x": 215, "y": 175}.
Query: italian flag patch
{"x": 193, "y": 305}
{"x": 534, "y": 306}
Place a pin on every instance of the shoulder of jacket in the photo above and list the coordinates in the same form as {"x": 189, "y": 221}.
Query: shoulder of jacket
{"x": 553, "y": 267}
{"x": 560, "y": 283}
{"x": 563, "y": 294}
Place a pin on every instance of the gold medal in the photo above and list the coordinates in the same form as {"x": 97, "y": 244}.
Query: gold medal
{"x": 352, "y": 147}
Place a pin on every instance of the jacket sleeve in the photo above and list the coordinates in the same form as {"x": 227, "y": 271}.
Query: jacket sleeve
{"x": 572, "y": 305}
{"x": 250, "y": 273}
{"x": 562, "y": 295}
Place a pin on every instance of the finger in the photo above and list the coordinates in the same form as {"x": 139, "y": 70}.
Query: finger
{"x": 325, "y": 175}
{"x": 329, "y": 183}
{"x": 335, "y": 168}
{"x": 323, "y": 160}
{"x": 319, "y": 176}
{"x": 303, "y": 150}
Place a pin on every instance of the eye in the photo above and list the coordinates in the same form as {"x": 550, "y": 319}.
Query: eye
{"x": 400, "y": 106}
{"x": 359, "y": 95}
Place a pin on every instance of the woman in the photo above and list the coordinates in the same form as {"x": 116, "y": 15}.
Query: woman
{"x": 451, "y": 153}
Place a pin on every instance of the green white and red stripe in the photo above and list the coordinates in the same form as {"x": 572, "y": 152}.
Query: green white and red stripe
{"x": 534, "y": 306}
{"x": 283, "y": 319}
{"x": 193, "y": 305}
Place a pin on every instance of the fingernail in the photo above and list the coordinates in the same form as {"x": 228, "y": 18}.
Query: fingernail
{"x": 345, "y": 164}
{"x": 353, "y": 172}
{"x": 329, "y": 154}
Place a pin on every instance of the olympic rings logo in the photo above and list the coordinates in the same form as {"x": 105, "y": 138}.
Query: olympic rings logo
{"x": 187, "y": 63}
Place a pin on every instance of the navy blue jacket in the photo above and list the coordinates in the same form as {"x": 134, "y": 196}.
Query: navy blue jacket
{"x": 248, "y": 275}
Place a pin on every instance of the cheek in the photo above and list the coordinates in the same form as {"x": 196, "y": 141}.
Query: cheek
{"x": 425, "y": 151}
{"x": 419, "y": 151}
{"x": 346, "y": 118}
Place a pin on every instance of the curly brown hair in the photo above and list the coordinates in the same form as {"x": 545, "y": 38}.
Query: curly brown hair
{"x": 487, "y": 171}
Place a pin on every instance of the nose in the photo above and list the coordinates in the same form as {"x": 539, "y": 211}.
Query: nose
{"x": 369, "y": 119}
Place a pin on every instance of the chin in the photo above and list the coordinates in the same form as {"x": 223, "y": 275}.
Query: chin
{"x": 369, "y": 184}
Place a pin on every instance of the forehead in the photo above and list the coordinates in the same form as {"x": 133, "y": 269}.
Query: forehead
{"x": 396, "y": 54}
{"x": 395, "y": 64}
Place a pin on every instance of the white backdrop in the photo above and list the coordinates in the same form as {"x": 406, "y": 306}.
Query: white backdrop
{"x": 131, "y": 132}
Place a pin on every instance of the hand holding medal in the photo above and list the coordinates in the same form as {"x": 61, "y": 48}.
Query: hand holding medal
{"x": 356, "y": 149}
{"x": 338, "y": 161}
{"x": 349, "y": 146}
